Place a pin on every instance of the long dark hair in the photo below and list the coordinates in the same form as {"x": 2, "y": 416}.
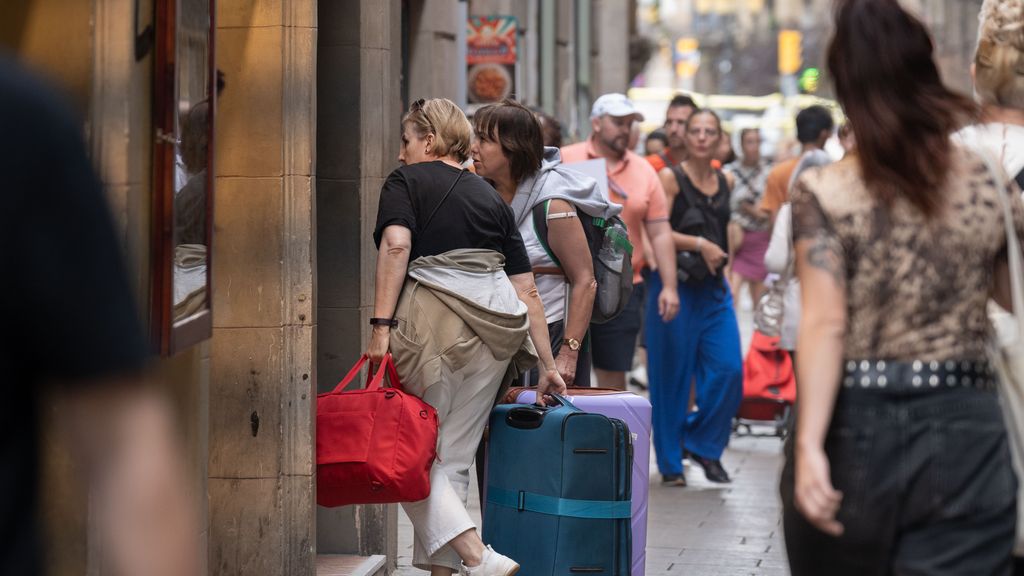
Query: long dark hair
{"x": 886, "y": 80}
{"x": 518, "y": 133}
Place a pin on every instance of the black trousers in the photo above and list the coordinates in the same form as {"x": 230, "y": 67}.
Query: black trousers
{"x": 928, "y": 487}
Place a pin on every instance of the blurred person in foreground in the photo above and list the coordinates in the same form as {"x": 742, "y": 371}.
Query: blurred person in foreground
{"x": 702, "y": 344}
{"x": 749, "y": 226}
{"x": 633, "y": 184}
{"x": 899, "y": 463}
{"x": 73, "y": 335}
{"x": 508, "y": 150}
{"x": 456, "y": 304}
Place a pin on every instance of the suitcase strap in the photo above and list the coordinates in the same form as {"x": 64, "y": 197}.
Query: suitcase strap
{"x": 541, "y": 504}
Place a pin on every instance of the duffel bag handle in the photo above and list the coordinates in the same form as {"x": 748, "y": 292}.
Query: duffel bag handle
{"x": 373, "y": 380}
{"x": 387, "y": 365}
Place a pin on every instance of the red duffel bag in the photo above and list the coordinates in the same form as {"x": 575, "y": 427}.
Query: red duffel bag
{"x": 373, "y": 446}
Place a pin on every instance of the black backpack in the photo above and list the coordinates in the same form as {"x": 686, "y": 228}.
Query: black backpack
{"x": 611, "y": 252}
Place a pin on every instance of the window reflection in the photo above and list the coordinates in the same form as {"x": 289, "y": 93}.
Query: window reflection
{"x": 192, "y": 131}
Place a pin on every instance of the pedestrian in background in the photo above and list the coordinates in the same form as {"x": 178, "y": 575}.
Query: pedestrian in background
{"x": 454, "y": 301}
{"x": 899, "y": 463}
{"x": 633, "y": 184}
{"x": 679, "y": 110}
{"x": 749, "y": 226}
{"x": 779, "y": 259}
{"x": 550, "y": 127}
{"x": 702, "y": 344}
{"x": 847, "y": 139}
{"x": 508, "y": 151}
{"x": 725, "y": 154}
{"x": 656, "y": 143}
{"x": 1000, "y": 91}
{"x": 814, "y": 126}
{"x": 998, "y": 86}
{"x": 83, "y": 357}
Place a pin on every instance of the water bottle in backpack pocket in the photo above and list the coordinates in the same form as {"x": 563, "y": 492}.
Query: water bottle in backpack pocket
{"x": 611, "y": 253}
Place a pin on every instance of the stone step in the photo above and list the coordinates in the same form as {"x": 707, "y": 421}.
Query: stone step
{"x": 350, "y": 565}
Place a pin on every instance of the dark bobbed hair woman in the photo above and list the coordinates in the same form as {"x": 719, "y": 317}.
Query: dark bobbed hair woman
{"x": 702, "y": 343}
{"x": 509, "y": 151}
{"x": 899, "y": 461}
{"x": 450, "y": 262}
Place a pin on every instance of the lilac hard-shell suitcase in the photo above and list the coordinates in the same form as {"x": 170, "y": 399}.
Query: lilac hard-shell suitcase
{"x": 635, "y": 411}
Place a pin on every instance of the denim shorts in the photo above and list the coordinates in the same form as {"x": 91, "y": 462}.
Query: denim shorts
{"x": 928, "y": 486}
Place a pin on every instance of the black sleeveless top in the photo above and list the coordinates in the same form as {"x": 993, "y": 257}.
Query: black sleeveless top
{"x": 715, "y": 208}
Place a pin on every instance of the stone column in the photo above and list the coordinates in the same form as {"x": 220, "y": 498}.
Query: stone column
{"x": 433, "y": 62}
{"x": 261, "y": 466}
{"x": 612, "y": 74}
{"x": 358, "y": 70}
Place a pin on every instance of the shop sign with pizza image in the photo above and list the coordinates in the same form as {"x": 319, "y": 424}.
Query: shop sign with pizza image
{"x": 491, "y": 56}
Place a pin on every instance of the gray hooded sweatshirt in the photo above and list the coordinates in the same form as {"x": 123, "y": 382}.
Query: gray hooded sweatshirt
{"x": 556, "y": 180}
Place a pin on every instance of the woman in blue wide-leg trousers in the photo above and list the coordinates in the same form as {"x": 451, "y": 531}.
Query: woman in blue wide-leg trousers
{"x": 701, "y": 344}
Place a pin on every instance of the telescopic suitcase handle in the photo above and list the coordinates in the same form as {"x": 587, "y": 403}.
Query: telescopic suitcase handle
{"x": 531, "y": 416}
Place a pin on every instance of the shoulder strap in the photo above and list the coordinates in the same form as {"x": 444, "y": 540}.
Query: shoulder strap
{"x": 443, "y": 198}
{"x": 684, "y": 189}
{"x": 540, "y": 228}
{"x": 745, "y": 179}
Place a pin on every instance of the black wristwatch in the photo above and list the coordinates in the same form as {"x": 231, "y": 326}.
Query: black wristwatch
{"x": 389, "y": 322}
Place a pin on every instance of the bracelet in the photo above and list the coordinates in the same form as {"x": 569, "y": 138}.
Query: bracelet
{"x": 700, "y": 240}
{"x": 389, "y": 322}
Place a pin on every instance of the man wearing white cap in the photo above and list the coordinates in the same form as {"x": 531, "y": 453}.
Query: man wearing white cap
{"x": 634, "y": 184}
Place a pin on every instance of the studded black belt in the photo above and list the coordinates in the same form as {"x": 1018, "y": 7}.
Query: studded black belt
{"x": 919, "y": 375}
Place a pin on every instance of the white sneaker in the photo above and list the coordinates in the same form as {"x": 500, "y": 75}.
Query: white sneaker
{"x": 492, "y": 564}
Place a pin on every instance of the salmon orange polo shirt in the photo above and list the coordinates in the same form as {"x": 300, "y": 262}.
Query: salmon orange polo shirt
{"x": 634, "y": 184}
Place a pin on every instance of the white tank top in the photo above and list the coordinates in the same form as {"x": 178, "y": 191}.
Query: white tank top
{"x": 553, "y": 289}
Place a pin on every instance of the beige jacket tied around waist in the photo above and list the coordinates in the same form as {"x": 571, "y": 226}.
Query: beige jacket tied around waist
{"x": 452, "y": 306}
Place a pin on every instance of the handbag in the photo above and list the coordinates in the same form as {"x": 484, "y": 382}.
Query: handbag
{"x": 1006, "y": 351}
{"x": 375, "y": 445}
{"x": 772, "y": 306}
{"x": 770, "y": 309}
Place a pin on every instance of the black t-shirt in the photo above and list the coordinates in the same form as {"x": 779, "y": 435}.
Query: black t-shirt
{"x": 473, "y": 215}
{"x": 69, "y": 315}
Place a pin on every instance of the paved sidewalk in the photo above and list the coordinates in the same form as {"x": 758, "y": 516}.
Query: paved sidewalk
{"x": 704, "y": 529}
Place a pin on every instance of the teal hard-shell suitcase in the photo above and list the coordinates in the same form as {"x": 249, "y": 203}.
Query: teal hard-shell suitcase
{"x": 558, "y": 490}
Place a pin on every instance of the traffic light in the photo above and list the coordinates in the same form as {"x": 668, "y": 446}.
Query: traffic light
{"x": 790, "y": 57}
{"x": 810, "y": 78}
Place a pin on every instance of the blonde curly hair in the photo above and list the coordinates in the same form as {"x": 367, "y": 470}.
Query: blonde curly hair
{"x": 999, "y": 58}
